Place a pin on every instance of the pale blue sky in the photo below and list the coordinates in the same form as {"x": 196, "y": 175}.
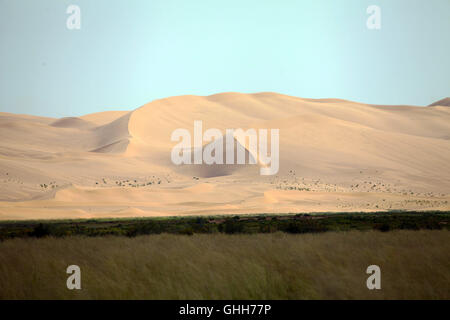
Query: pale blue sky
{"x": 129, "y": 52}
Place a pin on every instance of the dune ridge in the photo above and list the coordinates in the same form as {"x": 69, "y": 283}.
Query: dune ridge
{"x": 443, "y": 102}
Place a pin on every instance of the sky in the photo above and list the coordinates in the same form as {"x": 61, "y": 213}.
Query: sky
{"x": 130, "y": 52}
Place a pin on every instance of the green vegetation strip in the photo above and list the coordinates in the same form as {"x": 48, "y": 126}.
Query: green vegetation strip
{"x": 245, "y": 224}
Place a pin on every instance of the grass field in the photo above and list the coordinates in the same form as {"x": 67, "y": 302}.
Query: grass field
{"x": 330, "y": 265}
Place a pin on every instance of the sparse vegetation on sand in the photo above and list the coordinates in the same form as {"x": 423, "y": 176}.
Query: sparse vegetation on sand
{"x": 332, "y": 265}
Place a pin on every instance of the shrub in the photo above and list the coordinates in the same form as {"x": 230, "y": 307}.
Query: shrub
{"x": 384, "y": 227}
{"x": 40, "y": 231}
{"x": 145, "y": 228}
{"x": 186, "y": 231}
{"x": 304, "y": 227}
{"x": 232, "y": 226}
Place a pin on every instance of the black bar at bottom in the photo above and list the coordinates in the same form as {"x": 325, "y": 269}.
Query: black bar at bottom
{"x": 221, "y": 309}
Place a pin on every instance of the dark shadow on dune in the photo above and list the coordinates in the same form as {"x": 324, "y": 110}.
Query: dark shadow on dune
{"x": 217, "y": 170}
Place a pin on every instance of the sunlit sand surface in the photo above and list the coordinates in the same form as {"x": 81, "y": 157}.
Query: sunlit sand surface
{"x": 335, "y": 155}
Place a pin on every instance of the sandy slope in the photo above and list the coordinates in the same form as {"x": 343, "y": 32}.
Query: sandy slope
{"x": 443, "y": 102}
{"x": 335, "y": 155}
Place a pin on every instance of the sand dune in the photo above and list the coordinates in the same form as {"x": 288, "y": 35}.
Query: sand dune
{"x": 335, "y": 155}
{"x": 444, "y": 102}
{"x": 72, "y": 122}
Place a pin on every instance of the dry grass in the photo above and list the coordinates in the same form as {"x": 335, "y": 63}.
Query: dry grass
{"x": 414, "y": 265}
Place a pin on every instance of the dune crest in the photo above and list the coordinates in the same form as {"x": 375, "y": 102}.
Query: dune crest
{"x": 72, "y": 122}
{"x": 444, "y": 102}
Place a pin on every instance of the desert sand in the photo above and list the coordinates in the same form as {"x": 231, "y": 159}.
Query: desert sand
{"x": 335, "y": 155}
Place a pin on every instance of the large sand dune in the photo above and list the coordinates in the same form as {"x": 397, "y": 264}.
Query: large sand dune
{"x": 335, "y": 155}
